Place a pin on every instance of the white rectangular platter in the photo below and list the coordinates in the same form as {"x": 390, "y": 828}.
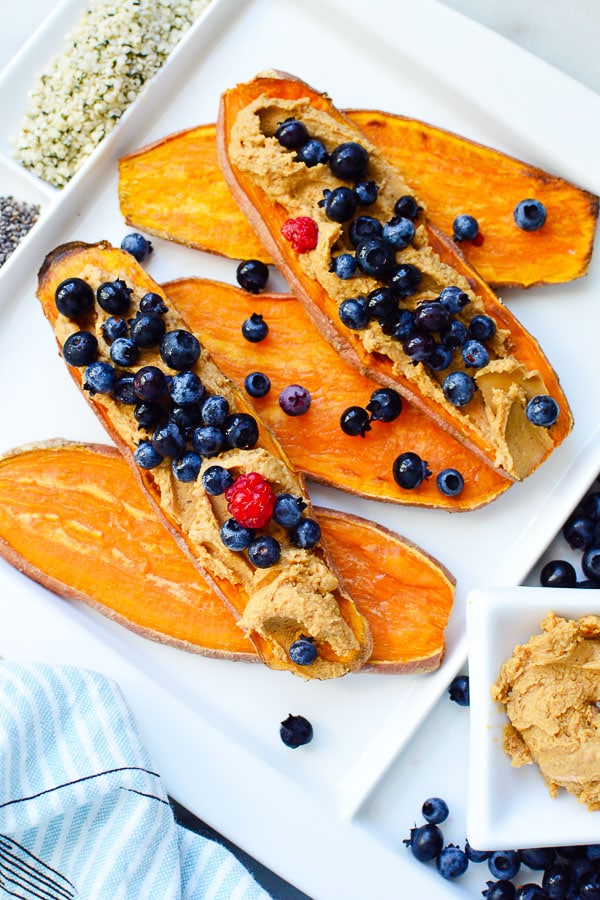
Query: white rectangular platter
{"x": 213, "y": 725}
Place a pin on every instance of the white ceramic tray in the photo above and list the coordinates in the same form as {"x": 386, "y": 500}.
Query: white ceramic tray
{"x": 213, "y": 725}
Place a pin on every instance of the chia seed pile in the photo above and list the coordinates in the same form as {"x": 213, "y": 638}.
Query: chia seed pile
{"x": 114, "y": 49}
{"x": 16, "y": 219}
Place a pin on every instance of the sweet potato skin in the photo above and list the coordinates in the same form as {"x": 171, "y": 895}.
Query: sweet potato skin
{"x": 315, "y": 442}
{"x": 89, "y": 530}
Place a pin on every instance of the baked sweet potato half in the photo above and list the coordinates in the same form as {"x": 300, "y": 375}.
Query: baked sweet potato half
{"x": 174, "y": 415}
{"x": 88, "y": 532}
{"x": 315, "y": 442}
{"x": 308, "y": 215}
{"x": 450, "y": 174}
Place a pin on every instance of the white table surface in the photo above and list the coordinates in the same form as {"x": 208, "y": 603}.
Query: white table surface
{"x": 564, "y": 34}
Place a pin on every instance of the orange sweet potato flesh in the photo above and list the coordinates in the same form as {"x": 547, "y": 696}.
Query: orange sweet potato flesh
{"x": 173, "y": 501}
{"x": 315, "y": 443}
{"x": 88, "y": 533}
{"x": 174, "y": 189}
{"x": 268, "y": 218}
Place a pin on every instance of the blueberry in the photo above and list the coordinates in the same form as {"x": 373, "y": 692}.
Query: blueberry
{"x": 306, "y": 534}
{"x": 500, "y": 890}
{"x": 114, "y": 296}
{"x": 137, "y": 245}
{"x": 580, "y": 532}
{"x": 476, "y": 856}
{"x": 405, "y": 280}
{"x": 344, "y": 266}
{"x": 590, "y": 506}
{"x": 168, "y": 440}
{"x": 558, "y": 573}
{"x": 153, "y": 303}
{"x": 148, "y": 413}
{"x": 385, "y": 405}
{"x": 556, "y": 880}
{"x": 264, "y": 551}
{"x": 458, "y": 388}
{"x": 255, "y": 329}
{"x": 482, "y": 328}
{"x": 124, "y": 352}
{"x": 353, "y": 313}
{"x": 425, "y": 842}
{"x": 589, "y": 887}
{"x": 146, "y": 456}
{"x": 504, "y": 863}
{"x": 452, "y": 862}
{"x": 114, "y": 328}
{"x": 74, "y": 298}
{"x": 312, "y": 153}
{"x": 409, "y": 470}
{"x": 454, "y": 335}
{"x": 538, "y": 857}
{"x": 288, "y": 510}
{"x": 149, "y": 383}
{"x": 291, "y": 134}
{"x": 355, "y": 421}
{"x": 381, "y": 304}
{"x": 123, "y": 390}
{"x": 465, "y": 228}
{"x": 339, "y": 204}
{"x": 80, "y": 348}
{"x": 252, "y": 275}
{"x": 402, "y": 326}
{"x": 303, "y": 651}
{"x": 532, "y": 891}
{"x": 407, "y": 207}
{"x": 185, "y": 388}
{"x": 529, "y": 215}
{"x": 458, "y": 690}
{"x": 235, "y": 536}
{"x": 208, "y": 440}
{"x": 215, "y": 410}
{"x": 450, "y": 482}
{"x": 590, "y": 563}
{"x": 179, "y": 349}
{"x": 419, "y": 346}
{"x": 542, "y": 410}
{"x": 216, "y": 480}
{"x": 474, "y": 354}
{"x": 241, "y": 431}
{"x": 99, "y": 378}
{"x": 366, "y": 192}
{"x": 431, "y": 315}
{"x": 295, "y": 731}
{"x": 349, "y": 161}
{"x": 435, "y": 810}
{"x": 187, "y": 467}
{"x": 147, "y": 330}
{"x": 399, "y": 233}
{"x": 295, "y": 400}
{"x": 440, "y": 358}
{"x": 374, "y": 257}
{"x": 453, "y": 298}
{"x": 257, "y": 384}
{"x": 364, "y": 227}
{"x": 187, "y": 418}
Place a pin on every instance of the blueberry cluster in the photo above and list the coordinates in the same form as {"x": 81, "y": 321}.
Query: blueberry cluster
{"x": 184, "y": 422}
{"x": 567, "y": 873}
{"x": 581, "y": 531}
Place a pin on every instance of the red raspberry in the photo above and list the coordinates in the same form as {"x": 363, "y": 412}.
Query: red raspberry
{"x": 250, "y": 500}
{"x": 302, "y": 233}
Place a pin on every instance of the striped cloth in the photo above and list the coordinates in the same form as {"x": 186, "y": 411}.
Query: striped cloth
{"x": 83, "y": 812}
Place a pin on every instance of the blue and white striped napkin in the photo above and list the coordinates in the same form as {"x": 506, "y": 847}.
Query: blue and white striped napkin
{"x": 83, "y": 812}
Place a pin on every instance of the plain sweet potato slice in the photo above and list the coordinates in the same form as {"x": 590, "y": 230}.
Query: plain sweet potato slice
{"x": 173, "y": 187}
{"x": 88, "y": 533}
{"x": 272, "y": 188}
{"x": 300, "y": 593}
{"x": 315, "y": 442}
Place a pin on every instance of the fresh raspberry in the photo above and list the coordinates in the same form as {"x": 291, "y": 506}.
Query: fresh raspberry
{"x": 250, "y": 500}
{"x": 302, "y": 233}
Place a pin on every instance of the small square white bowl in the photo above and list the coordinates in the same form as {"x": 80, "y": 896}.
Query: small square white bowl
{"x": 510, "y": 808}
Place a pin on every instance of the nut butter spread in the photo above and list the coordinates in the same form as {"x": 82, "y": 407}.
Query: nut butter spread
{"x": 497, "y": 409}
{"x": 550, "y": 688}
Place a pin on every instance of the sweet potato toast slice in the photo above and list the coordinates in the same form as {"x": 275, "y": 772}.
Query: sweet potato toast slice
{"x": 80, "y": 287}
{"x": 173, "y": 187}
{"x": 280, "y": 194}
{"x": 315, "y": 442}
{"x": 89, "y": 533}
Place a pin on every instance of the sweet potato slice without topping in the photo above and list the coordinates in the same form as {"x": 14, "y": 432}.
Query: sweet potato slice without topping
{"x": 73, "y": 518}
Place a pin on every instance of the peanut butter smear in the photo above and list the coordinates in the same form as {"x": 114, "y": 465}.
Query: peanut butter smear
{"x": 497, "y": 411}
{"x": 550, "y": 688}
